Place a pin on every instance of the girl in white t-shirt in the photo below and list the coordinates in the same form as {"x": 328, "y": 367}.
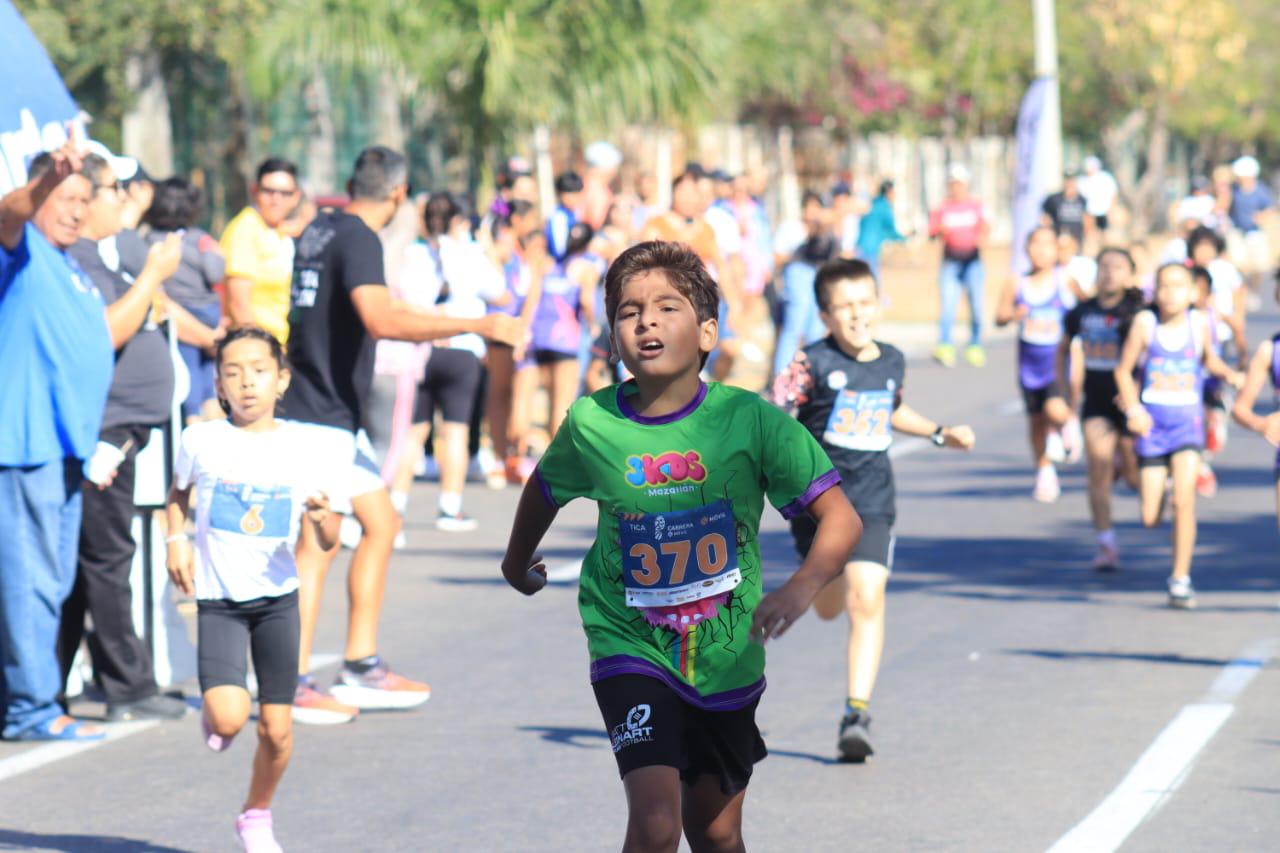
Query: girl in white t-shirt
{"x": 256, "y": 487}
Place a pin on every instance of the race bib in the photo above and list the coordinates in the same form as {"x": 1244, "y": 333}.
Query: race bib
{"x": 1042, "y": 327}
{"x": 860, "y": 420}
{"x": 1101, "y": 344}
{"x": 239, "y": 508}
{"x": 1170, "y": 382}
{"x": 671, "y": 558}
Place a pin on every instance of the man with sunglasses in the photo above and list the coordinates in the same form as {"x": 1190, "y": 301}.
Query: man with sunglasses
{"x": 259, "y": 251}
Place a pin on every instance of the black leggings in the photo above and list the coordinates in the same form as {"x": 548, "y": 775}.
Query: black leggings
{"x": 228, "y": 629}
{"x": 450, "y": 383}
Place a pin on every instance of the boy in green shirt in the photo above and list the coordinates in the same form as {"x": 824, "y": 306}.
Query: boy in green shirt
{"x": 671, "y": 595}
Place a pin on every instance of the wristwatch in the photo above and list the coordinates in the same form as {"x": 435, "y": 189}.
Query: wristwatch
{"x": 939, "y": 437}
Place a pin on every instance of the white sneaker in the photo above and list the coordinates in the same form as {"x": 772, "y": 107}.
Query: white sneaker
{"x": 350, "y": 532}
{"x": 1073, "y": 441}
{"x": 1182, "y": 596}
{"x": 1054, "y": 448}
{"x": 1046, "y": 490}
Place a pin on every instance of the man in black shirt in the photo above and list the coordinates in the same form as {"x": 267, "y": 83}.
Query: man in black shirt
{"x": 1065, "y": 210}
{"x": 341, "y": 305}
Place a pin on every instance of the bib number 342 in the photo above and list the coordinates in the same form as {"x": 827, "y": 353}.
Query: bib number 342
{"x": 860, "y": 420}
{"x": 677, "y": 557}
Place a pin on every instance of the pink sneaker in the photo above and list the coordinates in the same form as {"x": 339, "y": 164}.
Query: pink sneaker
{"x": 253, "y": 828}
{"x": 214, "y": 741}
{"x": 1047, "y": 489}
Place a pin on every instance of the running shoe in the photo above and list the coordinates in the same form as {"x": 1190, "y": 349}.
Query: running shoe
{"x": 1046, "y": 490}
{"x": 379, "y": 689}
{"x": 214, "y": 741}
{"x": 158, "y": 707}
{"x": 975, "y": 355}
{"x": 1054, "y": 448}
{"x": 313, "y": 708}
{"x": 1073, "y": 440}
{"x": 455, "y": 522}
{"x": 253, "y": 828}
{"x": 854, "y": 743}
{"x": 1215, "y": 433}
{"x": 1107, "y": 560}
{"x": 945, "y": 354}
{"x": 1206, "y": 481}
{"x": 1181, "y": 594}
{"x": 514, "y": 471}
{"x": 349, "y": 532}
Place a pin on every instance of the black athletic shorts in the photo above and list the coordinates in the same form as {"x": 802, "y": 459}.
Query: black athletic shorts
{"x": 875, "y": 546}
{"x": 1108, "y": 409}
{"x": 229, "y": 630}
{"x": 544, "y": 357}
{"x": 650, "y": 725}
{"x": 451, "y": 380}
{"x": 1165, "y": 459}
{"x": 1035, "y": 398}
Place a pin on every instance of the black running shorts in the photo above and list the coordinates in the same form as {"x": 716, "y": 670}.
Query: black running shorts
{"x": 450, "y": 382}
{"x": 875, "y": 546}
{"x": 1035, "y": 398}
{"x": 649, "y": 725}
{"x": 229, "y": 630}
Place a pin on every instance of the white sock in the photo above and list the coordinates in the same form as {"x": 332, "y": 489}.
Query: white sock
{"x": 451, "y": 503}
{"x": 400, "y": 500}
{"x": 1107, "y": 538}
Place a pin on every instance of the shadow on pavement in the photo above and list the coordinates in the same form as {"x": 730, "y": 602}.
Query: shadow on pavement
{"x": 1145, "y": 657}
{"x": 568, "y": 735}
{"x": 11, "y": 840}
{"x": 803, "y": 756}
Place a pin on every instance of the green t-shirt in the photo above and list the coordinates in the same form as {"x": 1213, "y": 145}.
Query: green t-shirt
{"x": 691, "y": 486}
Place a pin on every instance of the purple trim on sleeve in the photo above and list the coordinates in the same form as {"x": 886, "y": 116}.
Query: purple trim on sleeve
{"x": 817, "y": 487}
{"x": 546, "y": 489}
{"x": 682, "y": 412}
{"x": 729, "y": 700}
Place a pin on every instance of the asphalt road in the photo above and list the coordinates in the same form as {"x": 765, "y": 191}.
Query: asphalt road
{"x": 1021, "y": 696}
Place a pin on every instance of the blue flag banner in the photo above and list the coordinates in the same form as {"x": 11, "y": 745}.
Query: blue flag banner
{"x": 35, "y": 106}
{"x": 1032, "y": 177}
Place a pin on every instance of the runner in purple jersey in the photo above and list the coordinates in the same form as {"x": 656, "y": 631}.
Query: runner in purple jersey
{"x": 1038, "y": 302}
{"x": 1264, "y": 366}
{"x": 1171, "y": 344}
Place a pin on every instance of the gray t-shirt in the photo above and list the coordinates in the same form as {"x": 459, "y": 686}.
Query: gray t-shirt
{"x": 142, "y": 388}
{"x": 201, "y": 268}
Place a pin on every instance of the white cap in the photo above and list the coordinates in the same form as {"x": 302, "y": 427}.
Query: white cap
{"x": 1092, "y": 164}
{"x": 958, "y": 173}
{"x": 1246, "y": 167}
{"x": 602, "y": 155}
{"x": 123, "y": 167}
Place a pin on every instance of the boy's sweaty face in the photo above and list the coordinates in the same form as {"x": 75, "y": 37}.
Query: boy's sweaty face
{"x": 852, "y": 313}
{"x": 656, "y": 330}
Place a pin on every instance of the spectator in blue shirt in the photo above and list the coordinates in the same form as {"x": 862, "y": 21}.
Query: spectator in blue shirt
{"x": 878, "y": 228}
{"x": 57, "y": 356}
{"x": 564, "y": 217}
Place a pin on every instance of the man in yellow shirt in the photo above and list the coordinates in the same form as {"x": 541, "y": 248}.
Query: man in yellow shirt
{"x": 258, "y": 245}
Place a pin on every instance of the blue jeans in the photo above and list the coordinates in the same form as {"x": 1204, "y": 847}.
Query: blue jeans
{"x": 957, "y": 275}
{"x": 41, "y": 508}
{"x": 800, "y": 321}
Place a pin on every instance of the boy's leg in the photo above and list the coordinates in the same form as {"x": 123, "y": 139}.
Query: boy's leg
{"x": 275, "y": 745}
{"x": 367, "y": 577}
{"x": 1152, "y": 474}
{"x": 313, "y": 565}
{"x": 1184, "y": 466}
{"x": 653, "y": 809}
{"x": 222, "y": 643}
{"x": 865, "y": 601}
{"x": 226, "y": 709}
{"x": 274, "y": 642}
{"x": 713, "y": 819}
{"x": 1101, "y": 440}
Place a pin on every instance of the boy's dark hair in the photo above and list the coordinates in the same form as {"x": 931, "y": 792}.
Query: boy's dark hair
{"x": 247, "y": 333}
{"x": 39, "y": 166}
{"x": 1205, "y": 234}
{"x": 377, "y": 172}
{"x": 811, "y": 197}
{"x": 440, "y": 210}
{"x": 517, "y": 207}
{"x": 177, "y": 204}
{"x": 837, "y": 270}
{"x": 682, "y": 267}
{"x": 886, "y": 186}
{"x": 580, "y": 235}
{"x": 568, "y": 182}
{"x": 1122, "y": 252}
{"x": 1201, "y": 275}
{"x": 277, "y": 164}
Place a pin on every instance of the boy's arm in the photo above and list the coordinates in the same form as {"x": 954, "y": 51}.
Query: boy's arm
{"x": 839, "y": 529}
{"x": 1006, "y": 310}
{"x": 178, "y": 545}
{"x": 1138, "y": 421}
{"x": 908, "y": 420}
{"x": 1214, "y": 363}
{"x": 523, "y": 569}
{"x": 1259, "y": 370}
{"x": 324, "y": 522}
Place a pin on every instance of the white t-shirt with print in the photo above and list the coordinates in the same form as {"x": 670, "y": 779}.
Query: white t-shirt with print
{"x": 250, "y": 496}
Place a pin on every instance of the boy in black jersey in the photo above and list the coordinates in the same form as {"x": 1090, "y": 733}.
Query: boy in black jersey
{"x": 847, "y": 390}
{"x": 1094, "y": 332}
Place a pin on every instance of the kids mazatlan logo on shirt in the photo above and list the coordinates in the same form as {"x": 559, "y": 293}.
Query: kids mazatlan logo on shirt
{"x": 672, "y": 468}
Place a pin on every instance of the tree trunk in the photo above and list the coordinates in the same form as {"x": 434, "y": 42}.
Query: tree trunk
{"x": 147, "y": 126}
{"x": 237, "y": 161}
{"x": 322, "y": 144}
{"x": 388, "y": 120}
{"x": 1150, "y": 191}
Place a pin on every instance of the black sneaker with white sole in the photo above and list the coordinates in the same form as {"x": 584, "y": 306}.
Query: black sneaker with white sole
{"x": 158, "y": 707}
{"x": 854, "y": 743}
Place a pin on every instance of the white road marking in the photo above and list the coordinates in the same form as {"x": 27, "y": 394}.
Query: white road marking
{"x": 48, "y": 753}
{"x": 1167, "y": 762}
